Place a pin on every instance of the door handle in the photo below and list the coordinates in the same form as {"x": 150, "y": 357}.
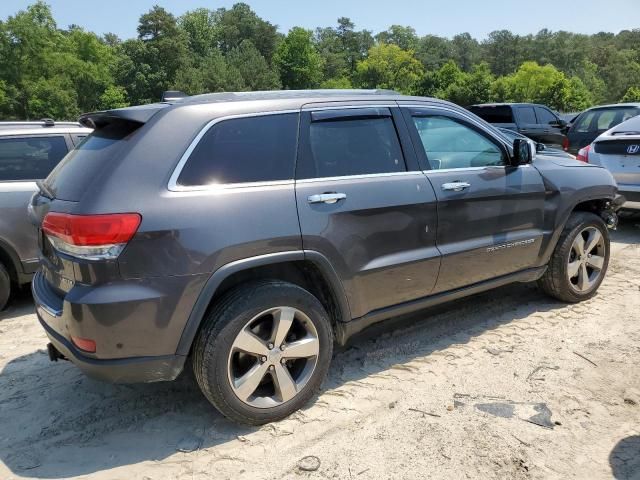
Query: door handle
{"x": 326, "y": 197}
{"x": 455, "y": 186}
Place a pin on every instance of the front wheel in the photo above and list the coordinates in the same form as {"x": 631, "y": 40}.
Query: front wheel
{"x": 580, "y": 260}
{"x": 263, "y": 351}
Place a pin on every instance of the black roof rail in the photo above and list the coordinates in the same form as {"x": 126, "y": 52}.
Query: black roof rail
{"x": 171, "y": 95}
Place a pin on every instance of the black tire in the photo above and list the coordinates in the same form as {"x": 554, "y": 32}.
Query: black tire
{"x": 229, "y": 316}
{"x": 5, "y": 287}
{"x": 555, "y": 282}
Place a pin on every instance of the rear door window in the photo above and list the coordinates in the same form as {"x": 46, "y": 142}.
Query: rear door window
{"x": 526, "y": 115}
{"x": 30, "y": 158}
{"x": 351, "y": 142}
{"x": 545, "y": 117}
{"x": 242, "y": 150}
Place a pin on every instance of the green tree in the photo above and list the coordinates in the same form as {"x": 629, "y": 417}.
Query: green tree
{"x": 241, "y": 23}
{"x": 113, "y": 97}
{"x": 201, "y": 30}
{"x": 632, "y": 95}
{"x": 403, "y": 37}
{"x": 256, "y": 72}
{"x": 388, "y": 66}
{"x": 299, "y": 63}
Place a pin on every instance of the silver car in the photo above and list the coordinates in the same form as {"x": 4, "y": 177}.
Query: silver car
{"x": 618, "y": 150}
{"x": 28, "y": 152}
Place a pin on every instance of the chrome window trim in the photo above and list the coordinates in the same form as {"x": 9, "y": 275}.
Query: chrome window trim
{"x": 358, "y": 177}
{"x": 219, "y": 187}
{"x": 173, "y": 185}
{"x": 471, "y": 169}
{"x": 311, "y": 108}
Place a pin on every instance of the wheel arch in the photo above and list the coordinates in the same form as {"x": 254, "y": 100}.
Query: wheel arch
{"x": 9, "y": 258}
{"x": 308, "y": 269}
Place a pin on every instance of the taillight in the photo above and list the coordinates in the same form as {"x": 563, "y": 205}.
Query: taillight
{"x": 91, "y": 237}
{"x": 565, "y": 144}
{"x": 583, "y": 154}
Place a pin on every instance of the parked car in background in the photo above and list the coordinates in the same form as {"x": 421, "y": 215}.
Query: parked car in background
{"x": 618, "y": 150}
{"x": 249, "y": 231}
{"x": 537, "y": 122}
{"x": 28, "y": 152}
{"x": 595, "y": 121}
{"x": 540, "y": 148}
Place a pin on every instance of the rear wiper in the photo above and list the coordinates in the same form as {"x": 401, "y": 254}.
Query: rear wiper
{"x": 45, "y": 190}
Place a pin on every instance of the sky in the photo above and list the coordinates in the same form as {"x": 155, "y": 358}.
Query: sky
{"x": 444, "y": 18}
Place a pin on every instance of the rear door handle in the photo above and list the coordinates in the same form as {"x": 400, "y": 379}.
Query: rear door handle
{"x": 455, "y": 186}
{"x": 326, "y": 197}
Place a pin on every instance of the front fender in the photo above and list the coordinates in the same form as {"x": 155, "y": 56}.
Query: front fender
{"x": 568, "y": 184}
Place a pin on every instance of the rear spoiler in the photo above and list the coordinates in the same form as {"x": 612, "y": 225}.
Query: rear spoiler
{"x": 140, "y": 114}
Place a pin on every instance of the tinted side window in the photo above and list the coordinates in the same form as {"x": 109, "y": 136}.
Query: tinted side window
{"x": 251, "y": 149}
{"x": 30, "y": 158}
{"x": 449, "y": 143}
{"x": 498, "y": 114}
{"x": 583, "y": 124}
{"x": 527, "y": 115}
{"x": 352, "y": 146}
{"x": 545, "y": 116}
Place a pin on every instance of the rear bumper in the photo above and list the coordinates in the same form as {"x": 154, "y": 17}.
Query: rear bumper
{"x": 121, "y": 370}
{"x": 631, "y": 193}
{"x": 108, "y": 321}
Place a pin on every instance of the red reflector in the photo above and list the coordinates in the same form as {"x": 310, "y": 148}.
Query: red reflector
{"x": 84, "y": 344}
{"x": 565, "y": 144}
{"x": 92, "y": 230}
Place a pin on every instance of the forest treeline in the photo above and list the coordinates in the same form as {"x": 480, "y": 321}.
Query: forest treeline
{"x": 48, "y": 71}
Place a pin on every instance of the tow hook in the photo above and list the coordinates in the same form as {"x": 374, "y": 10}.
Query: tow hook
{"x": 54, "y": 353}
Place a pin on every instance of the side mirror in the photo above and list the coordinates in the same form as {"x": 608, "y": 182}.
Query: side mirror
{"x": 540, "y": 147}
{"x": 522, "y": 153}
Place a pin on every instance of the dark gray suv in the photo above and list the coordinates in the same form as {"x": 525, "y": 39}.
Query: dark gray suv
{"x": 250, "y": 231}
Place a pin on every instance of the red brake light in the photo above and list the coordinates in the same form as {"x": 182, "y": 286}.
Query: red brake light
{"x": 583, "y": 154}
{"x": 565, "y": 144}
{"x": 92, "y": 230}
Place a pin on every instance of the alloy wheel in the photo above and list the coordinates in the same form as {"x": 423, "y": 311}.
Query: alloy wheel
{"x": 273, "y": 357}
{"x": 586, "y": 259}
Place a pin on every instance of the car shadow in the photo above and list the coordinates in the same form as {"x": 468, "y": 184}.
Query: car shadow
{"x": 62, "y": 424}
{"x": 628, "y": 230}
{"x": 625, "y": 459}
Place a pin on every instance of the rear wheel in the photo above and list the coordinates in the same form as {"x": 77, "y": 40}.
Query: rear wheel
{"x": 580, "y": 260}
{"x": 5, "y": 286}
{"x": 263, "y": 351}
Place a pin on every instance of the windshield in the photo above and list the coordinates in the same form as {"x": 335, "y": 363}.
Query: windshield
{"x": 631, "y": 126}
{"x": 602, "y": 119}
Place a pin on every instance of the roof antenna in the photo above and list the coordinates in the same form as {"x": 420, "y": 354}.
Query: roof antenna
{"x": 48, "y": 122}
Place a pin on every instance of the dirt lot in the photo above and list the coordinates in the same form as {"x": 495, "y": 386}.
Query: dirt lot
{"x": 507, "y": 384}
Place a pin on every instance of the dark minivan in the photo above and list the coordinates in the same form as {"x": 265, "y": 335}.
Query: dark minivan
{"x": 593, "y": 122}
{"x": 534, "y": 121}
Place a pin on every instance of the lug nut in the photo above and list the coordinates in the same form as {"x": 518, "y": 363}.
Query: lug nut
{"x": 283, "y": 361}
{"x": 282, "y": 347}
{"x": 272, "y": 367}
{"x": 270, "y": 346}
{"x": 263, "y": 359}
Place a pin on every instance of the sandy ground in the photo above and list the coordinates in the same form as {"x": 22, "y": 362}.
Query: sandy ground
{"x": 507, "y": 384}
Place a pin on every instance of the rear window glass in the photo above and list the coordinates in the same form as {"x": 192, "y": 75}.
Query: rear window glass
{"x": 252, "y": 149}
{"x": 30, "y": 158}
{"x": 72, "y": 176}
{"x": 499, "y": 114}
